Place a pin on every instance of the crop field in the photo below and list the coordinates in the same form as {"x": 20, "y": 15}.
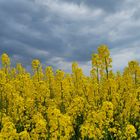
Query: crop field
{"x": 48, "y": 104}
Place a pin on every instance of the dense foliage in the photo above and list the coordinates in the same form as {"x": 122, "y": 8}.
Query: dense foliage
{"x": 54, "y": 105}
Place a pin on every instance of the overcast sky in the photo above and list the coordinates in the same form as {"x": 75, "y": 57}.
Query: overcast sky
{"x": 59, "y": 32}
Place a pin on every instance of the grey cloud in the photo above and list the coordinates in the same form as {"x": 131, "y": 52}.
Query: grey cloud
{"x": 61, "y": 31}
{"x": 106, "y": 5}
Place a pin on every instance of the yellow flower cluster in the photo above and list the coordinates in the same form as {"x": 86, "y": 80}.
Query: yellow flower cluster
{"x": 54, "y": 105}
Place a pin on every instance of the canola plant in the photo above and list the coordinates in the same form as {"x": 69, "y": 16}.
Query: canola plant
{"x": 54, "y": 105}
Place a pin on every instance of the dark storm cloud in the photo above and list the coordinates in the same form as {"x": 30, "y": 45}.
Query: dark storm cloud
{"x": 61, "y": 31}
{"x": 25, "y": 31}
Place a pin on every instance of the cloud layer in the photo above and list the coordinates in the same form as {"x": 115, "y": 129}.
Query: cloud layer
{"x": 61, "y": 31}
